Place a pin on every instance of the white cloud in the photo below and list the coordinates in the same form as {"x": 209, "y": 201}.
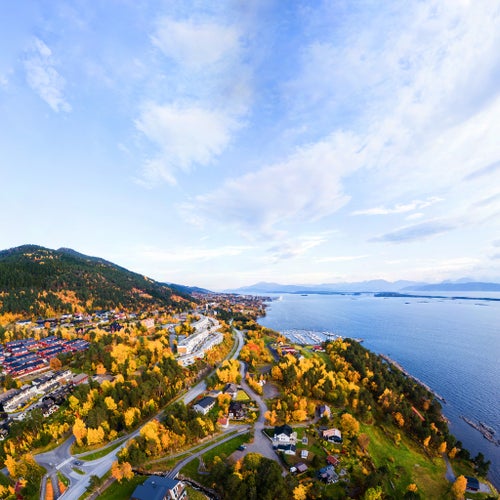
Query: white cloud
{"x": 295, "y": 247}
{"x": 195, "y": 44}
{"x": 184, "y": 136}
{"x": 400, "y": 208}
{"x": 304, "y": 187}
{"x": 187, "y": 254}
{"x": 342, "y": 258}
{"x": 43, "y": 78}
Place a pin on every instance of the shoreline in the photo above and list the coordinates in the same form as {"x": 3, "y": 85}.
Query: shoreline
{"x": 415, "y": 379}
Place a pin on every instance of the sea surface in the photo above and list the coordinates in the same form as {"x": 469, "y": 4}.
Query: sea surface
{"x": 452, "y": 345}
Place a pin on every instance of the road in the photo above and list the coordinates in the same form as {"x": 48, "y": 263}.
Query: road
{"x": 61, "y": 459}
{"x": 261, "y": 443}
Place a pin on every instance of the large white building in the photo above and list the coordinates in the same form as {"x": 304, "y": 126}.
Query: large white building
{"x": 206, "y": 336}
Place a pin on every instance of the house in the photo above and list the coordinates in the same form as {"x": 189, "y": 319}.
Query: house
{"x": 332, "y": 435}
{"x": 223, "y": 422}
{"x": 328, "y": 474}
{"x": 231, "y": 389}
{"x": 160, "y": 488}
{"x": 81, "y": 378}
{"x": 236, "y": 410}
{"x": 301, "y": 467}
{"x": 304, "y": 454}
{"x": 331, "y": 460}
{"x": 287, "y": 449}
{"x": 472, "y": 483}
{"x": 324, "y": 411}
{"x": 204, "y": 405}
{"x": 284, "y": 434}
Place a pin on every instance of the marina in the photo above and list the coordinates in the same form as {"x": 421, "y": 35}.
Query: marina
{"x": 311, "y": 337}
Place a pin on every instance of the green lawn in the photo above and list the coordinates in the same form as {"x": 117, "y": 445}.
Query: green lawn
{"x": 122, "y": 491}
{"x": 225, "y": 449}
{"x": 100, "y": 453}
{"x": 63, "y": 478}
{"x": 242, "y": 396}
{"x": 406, "y": 464}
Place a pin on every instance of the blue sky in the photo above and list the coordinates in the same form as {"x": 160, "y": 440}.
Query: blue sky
{"x": 223, "y": 143}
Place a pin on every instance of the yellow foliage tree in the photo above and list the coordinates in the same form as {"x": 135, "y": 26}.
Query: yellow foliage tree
{"x": 116, "y": 471}
{"x": 426, "y": 441}
{"x": 350, "y": 425}
{"x": 130, "y": 416}
{"x": 442, "y": 447}
{"x": 300, "y": 492}
{"x": 459, "y": 487}
{"x": 399, "y": 419}
{"x": 95, "y": 436}
{"x": 79, "y": 431}
{"x": 110, "y": 403}
{"x": 412, "y": 487}
{"x": 10, "y": 463}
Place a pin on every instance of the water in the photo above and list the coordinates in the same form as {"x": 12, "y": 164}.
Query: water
{"x": 451, "y": 345}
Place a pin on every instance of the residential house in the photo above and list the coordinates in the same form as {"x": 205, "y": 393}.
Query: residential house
{"x": 331, "y": 460}
{"x": 204, "y": 405}
{"x": 301, "y": 467}
{"x": 160, "y": 488}
{"x": 324, "y": 411}
{"x": 332, "y": 435}
{"x": 223, "y": 422}
{"x": 287, "y": 449}
{"x": 304, "y": 454}
{"x": 231, "y": 389}
{"x": 328, "y": 474}
{"x": 236, "y": 410}
{"x": 284, "y": 434}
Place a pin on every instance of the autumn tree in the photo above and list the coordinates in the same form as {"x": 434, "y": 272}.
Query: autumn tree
{"x": 55, "y": 364}
{"x": 350, "y": 425}
{"x": 79, "y": 431}
{"x": 459, "y": 487}
{"x": 300, "y": 492}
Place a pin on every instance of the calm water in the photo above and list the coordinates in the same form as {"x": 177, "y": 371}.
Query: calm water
{"x": 451, "y": 345}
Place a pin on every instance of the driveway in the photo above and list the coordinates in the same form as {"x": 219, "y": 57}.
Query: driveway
{"x": 261, "y": 443}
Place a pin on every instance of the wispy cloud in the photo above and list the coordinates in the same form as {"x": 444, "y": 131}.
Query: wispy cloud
{"x": 343, "y": 258}
{"x": 416, "y": 232}
{"x": 295, "y": 247}
{"x": 43, "y": 77}
{"x": 487, "y": 170}
{"x": 195, "y": 44}
{"x": 305, "y": 186}
{"x": 187, "y": 254}
{"x": 400, "y": 208}
{"x": 183, "y": 136}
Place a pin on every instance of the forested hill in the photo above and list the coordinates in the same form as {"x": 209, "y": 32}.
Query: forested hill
{"x": 37, "y": 281}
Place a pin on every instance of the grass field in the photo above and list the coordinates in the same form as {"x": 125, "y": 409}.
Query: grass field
{"x": 225, "y": 449}
{"x": 406, "y": 464}
{"x": 100, "y": 453}
{"x": 122, "y": 491}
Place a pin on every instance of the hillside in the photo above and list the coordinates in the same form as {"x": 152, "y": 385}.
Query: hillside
{"x": 38, "y": 281}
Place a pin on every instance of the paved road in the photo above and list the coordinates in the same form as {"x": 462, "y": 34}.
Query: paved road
{"x": 60, "y": 458}
{"x": 261, "y": 443}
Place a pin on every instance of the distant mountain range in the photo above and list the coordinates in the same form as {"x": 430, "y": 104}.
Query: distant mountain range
{"x": 462, "y": 285}
{"x": 37, "y": 281}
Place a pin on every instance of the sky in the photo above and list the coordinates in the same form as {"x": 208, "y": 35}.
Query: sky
{"x": 220, "y": 144}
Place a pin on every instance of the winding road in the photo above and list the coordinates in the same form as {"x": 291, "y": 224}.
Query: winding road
{"x": 61, "y": 458}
